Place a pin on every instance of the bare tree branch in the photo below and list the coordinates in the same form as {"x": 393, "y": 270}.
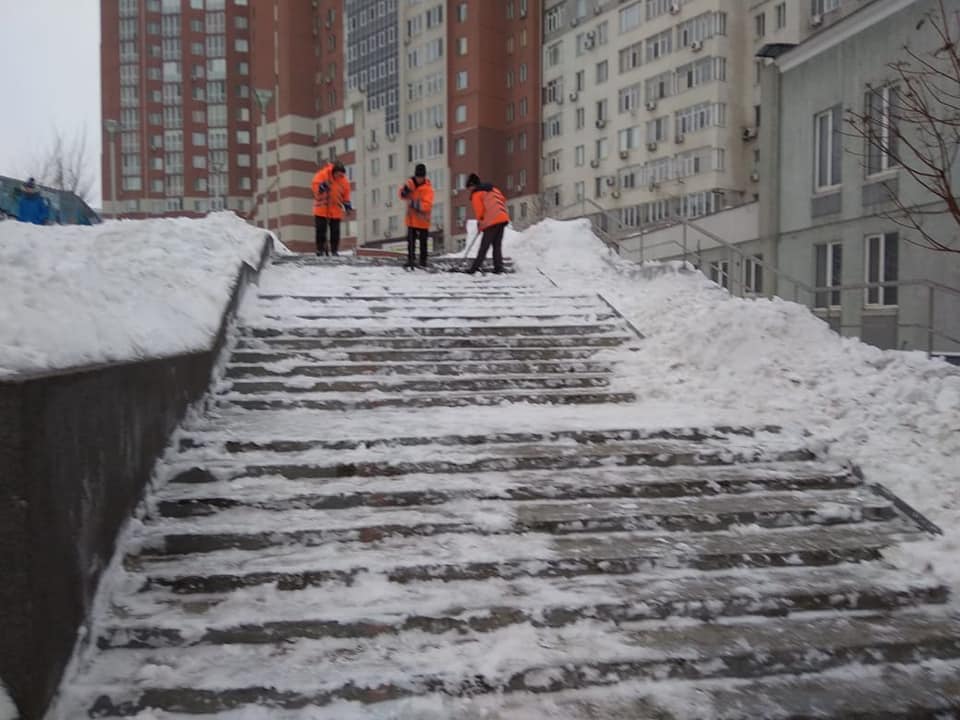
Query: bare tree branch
{"x": 914, "y": 123}
{"x": 66, "y": 165}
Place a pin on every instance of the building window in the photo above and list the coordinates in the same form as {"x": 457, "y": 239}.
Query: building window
{"x": 462, "y": 80}
{"x": 720, "y": 273}
{"x": 462, "y": 12}
{"x": 461, "y": 113}
{"x": 822, "y": 7}
{"x": 602, "y": 72}
{"x": 882, "y": 263}
{"x": 461, "y": 46}
{"x": 827, "y": 149}
{"x": 829, "y": 266}
{"x": 579, "y": 155}
{"x": 461, "y": 146}
{"x": 882, "y": 142}
{"x": 553, "y": 19}
{"x": 753, "y": 275}
{"x": 760, "y": 25}
{"x": 553, "y": 55}
{"x": 781, "y": 11}
{"x": 630, "y": 17}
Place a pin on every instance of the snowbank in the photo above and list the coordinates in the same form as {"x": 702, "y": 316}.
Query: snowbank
{"x": 125, "y": 290}
{"x": 896, "y": 414}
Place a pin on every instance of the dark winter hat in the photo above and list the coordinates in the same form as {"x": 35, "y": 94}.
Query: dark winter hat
{"x": 420, "y": 170}
{"x": 31, "y": 183}
{"x": 473, "y": 180}
{"x": 338, "y": 167}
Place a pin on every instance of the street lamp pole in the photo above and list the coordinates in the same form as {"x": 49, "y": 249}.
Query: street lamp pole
{"x": 112, "y": 126}
{"x": 263, "y": 97}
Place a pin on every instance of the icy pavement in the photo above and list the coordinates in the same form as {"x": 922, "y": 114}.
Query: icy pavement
{"x": 435, "y": 496}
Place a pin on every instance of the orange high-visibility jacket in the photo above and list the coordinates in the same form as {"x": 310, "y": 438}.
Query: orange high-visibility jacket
{"x": 489, "y": 205}
{"x": 329, "y": 203}
{"x": 422, "y": 194}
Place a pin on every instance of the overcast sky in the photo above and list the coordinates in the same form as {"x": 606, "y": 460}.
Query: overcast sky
{"x": 50, "y": 60}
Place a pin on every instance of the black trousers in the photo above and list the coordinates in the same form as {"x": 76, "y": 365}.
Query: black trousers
{"x": 320, "y": 226}
{"x": 414, "y": 234}
{"x": 493, "y": 235}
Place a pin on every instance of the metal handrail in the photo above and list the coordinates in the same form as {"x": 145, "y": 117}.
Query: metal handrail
{"x": 931, "y": 286}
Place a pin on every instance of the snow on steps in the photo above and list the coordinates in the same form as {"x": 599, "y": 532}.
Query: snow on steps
{"x": 720, "y": 572}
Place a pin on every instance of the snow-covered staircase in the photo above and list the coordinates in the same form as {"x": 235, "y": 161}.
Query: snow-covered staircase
{"x": 412, "y": 498}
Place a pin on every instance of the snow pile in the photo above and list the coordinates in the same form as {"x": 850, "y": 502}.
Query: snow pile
{"x": 896, "y": 414}
{"x": 8, "y": 711}
{"x": 124, "y": 290}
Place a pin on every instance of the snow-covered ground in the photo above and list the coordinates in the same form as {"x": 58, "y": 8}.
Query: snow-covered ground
{"x": 123, "y": 290}
{"x": 896, "y": 414}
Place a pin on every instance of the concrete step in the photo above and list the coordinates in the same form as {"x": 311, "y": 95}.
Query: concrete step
{"x": 207, "y": 495}
{"x": 512, "y": 457}
{"x": 591, "y": 437}
{"x": 472, "y": 606}
{"x": 377, "y": 330}
{"x": 370, "y": 354}
{"x": 459, "y": 316}
{"x": 443, "y": 369}
{"x": 270, "y": 349}
{"x": 905, "y": 691}
{"x": 459, "y": 557}
{"x": 371, "y": 670}
{"x": 516, "y": 296}
{"x": 449, "y": 399}
{"x": 253, "y": 528}
{"x": 298, "y": 386}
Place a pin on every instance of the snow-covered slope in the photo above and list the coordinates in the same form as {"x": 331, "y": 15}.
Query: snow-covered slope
{"x": 897, "y": 414}
{"x": 125, "y": 290}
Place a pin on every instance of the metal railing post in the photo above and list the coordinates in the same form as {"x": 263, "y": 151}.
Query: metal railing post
{"x": 930, "y": 316}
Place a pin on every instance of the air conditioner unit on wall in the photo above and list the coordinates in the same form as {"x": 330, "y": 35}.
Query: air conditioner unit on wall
{"x": 679, "y": 138}
{"x": 594, "y": 163}
{"x": 696, "y": 45}
{"x": 611, "y": 181}
{"x": 573, "y": 97}
{"x": 624, "y": 154}
{"x": 601, "y": 124}
{"x": 597, "y": 9}
{"x": 749, "y": 133}
{"x": 651, "y": 105}
{"x": 652, "y": 146}
{"x": 675, "y": 7}
{"x": 755, "y": 176}
{"x": 816, "y": 20}
{"x": 615, "y": 194}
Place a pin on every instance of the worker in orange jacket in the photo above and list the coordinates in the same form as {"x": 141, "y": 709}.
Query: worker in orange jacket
{"x": 490, "y": 207}
{"x": 331, "y": 199}
{"x": 417, "y": 193}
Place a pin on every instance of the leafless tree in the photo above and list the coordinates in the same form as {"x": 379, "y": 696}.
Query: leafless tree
{"x": 66, "y": 165}
{"x": 913, "y": 122}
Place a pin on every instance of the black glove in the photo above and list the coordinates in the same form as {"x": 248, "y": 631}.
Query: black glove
{"x": 323, "y": 187}
{"x": 348, "y": 206}
{"x": 405, "y": 193}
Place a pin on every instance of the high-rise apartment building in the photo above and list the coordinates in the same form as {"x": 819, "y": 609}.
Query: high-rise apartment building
{"x": 454, "y": 85}
{"x": 298, "y": 58}
{"x": 177, "y": 106}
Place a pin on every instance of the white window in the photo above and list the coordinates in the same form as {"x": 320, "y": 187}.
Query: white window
{"x": 461, "y": 146}
{"x": 760, "y": 25}
{"x": 827, "y": 149}
{"x": 882, "y": 264}
{"x": 462, "y": 12}
{"x": 781, "y": 12}
{"x": 631, "y": 57}
{"x": 579, "y": 155}
{"x": 461, "y": 113}
{"x": 631, "y": 17}
{"x": 553, "y": 55}
{"x": 882, "y": 139}
{"x": 243, "y": 160}
{"x": 462, "y": 80}
{"x": 461, "y": 46}
{"x": 822, "y": 7}
{"x": 199, "y": 139}
{"x": 243, "y": 137}
{"x": 752, "y": 274}
{"x": 241, "y": 45}
{"x": 553, "y": 19}
{"x": 603, "y": 72}
{"x": 659, "y": 45}
{"x": 629, "y": 98}
{"x": 829, "y": 261}
{"x": 720, "y": 273}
